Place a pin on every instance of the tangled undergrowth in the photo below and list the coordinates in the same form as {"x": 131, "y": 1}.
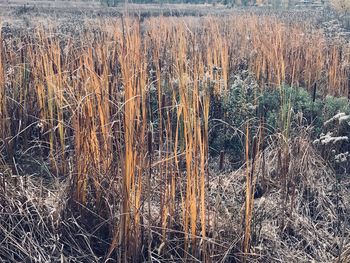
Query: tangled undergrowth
{"x": 300, "y": 215}
{"x": 300, "y": 210}
{"x": 105, "y": 135}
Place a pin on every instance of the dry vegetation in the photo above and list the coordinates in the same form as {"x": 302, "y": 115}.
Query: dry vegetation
{"x": 111, "y": 123}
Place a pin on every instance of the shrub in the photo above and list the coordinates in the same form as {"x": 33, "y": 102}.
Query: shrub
{"x": 229, "y": 113}
{"x": 244, "y": 101}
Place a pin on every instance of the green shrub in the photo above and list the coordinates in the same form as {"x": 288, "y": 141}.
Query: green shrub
{"x": 335, "y": 105}
{"x": 244, "y": 101}
{"x": 298, "y": 101}
{"x": 228, "y": 115}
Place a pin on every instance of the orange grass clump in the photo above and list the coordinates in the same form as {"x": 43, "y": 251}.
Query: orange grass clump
{"x": 127, "y": 106}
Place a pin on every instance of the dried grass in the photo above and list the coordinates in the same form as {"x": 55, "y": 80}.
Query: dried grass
{"x": 121, "y": 111}
{"x": 308, "y": 224}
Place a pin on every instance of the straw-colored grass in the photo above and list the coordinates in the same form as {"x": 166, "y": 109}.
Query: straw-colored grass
{"x": 122, "y": 112}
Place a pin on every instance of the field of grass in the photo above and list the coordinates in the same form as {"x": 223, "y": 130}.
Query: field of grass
{"x": 218, "y": 137}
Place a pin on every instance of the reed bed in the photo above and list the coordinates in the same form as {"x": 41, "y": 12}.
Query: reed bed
{"x": 121, "y": 110}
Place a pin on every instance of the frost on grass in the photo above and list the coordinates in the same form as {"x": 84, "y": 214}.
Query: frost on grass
{"x": 328, "y": 138}
{"x": 342, "y": 157}
{"x": 341, "y": 117}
